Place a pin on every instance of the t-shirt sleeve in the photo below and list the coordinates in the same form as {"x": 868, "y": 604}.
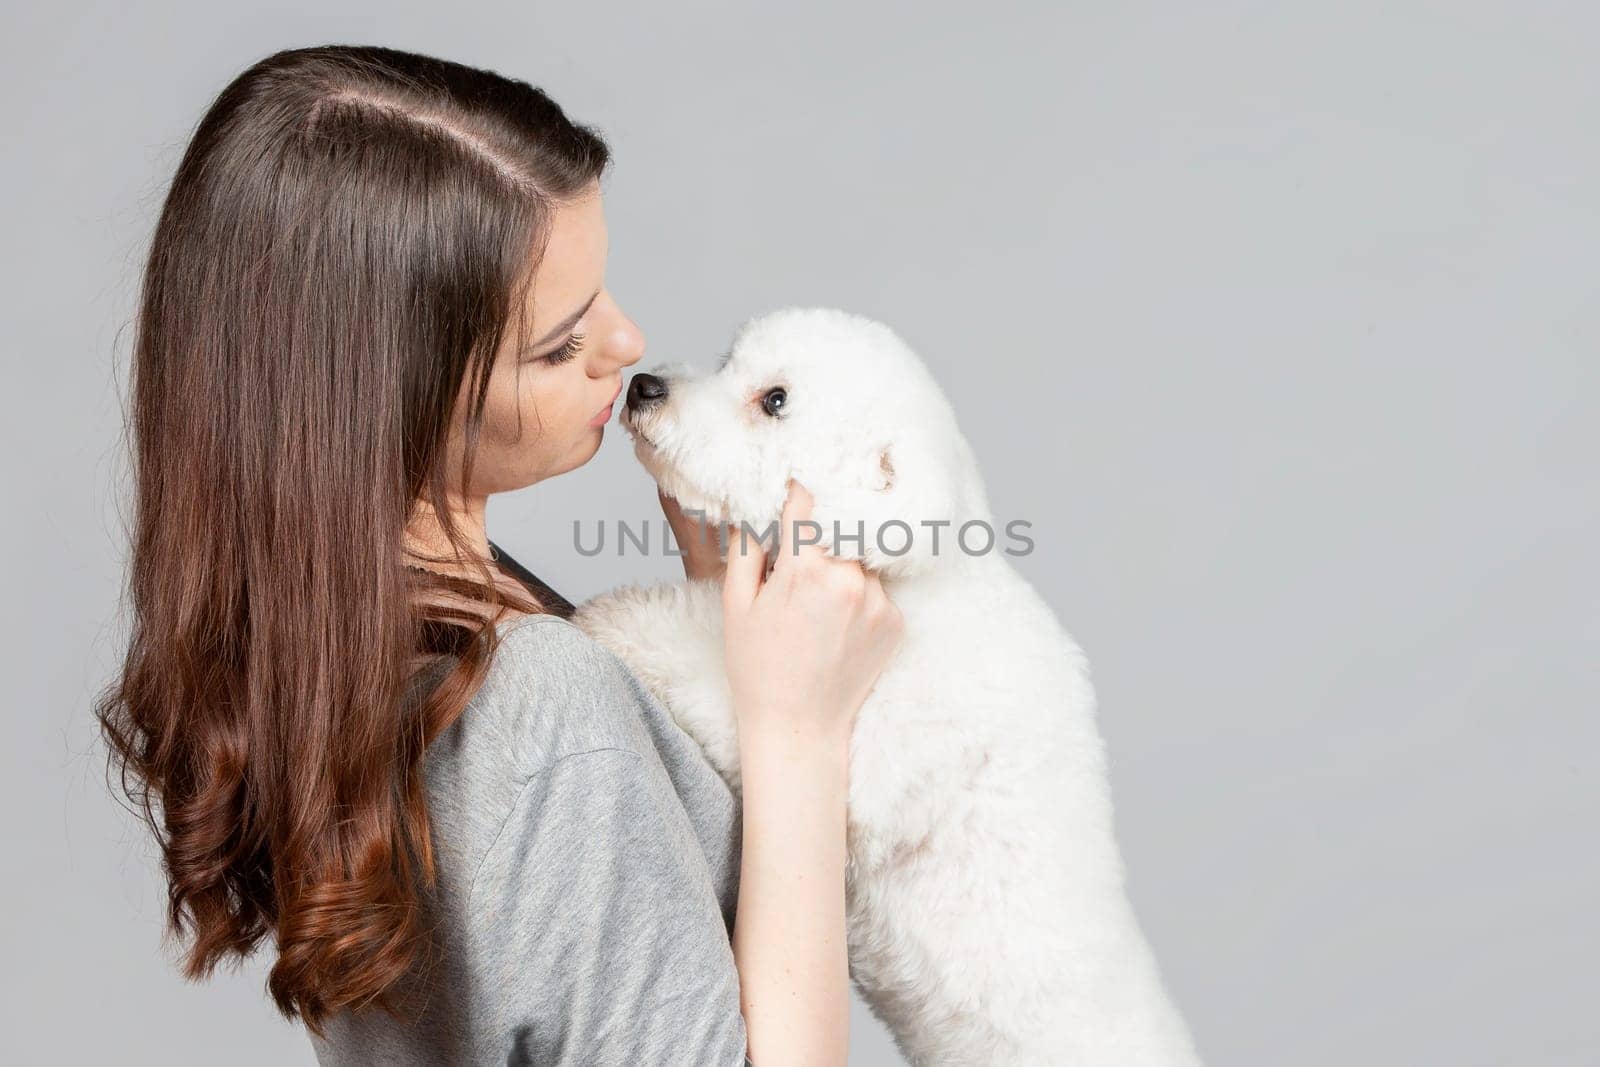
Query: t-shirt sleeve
{"x": 603, "y": 942}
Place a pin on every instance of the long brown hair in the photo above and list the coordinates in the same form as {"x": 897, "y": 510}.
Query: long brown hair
{"x": 347, "y": 239}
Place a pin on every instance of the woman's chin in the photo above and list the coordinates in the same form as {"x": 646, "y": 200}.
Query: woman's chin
{"x": 585, "y": 448}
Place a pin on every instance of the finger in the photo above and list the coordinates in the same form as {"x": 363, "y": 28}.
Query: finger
{"x": 796, "y": 509}
{"x": 873, "y": 596}
{"x": 685, "y": 528}
{"x": 704, "y": 541}
{"x": 882, "y": 603}
{"x": 696, "y": 539}
{"x": 747, "y": 562}
{"x": 847, "y": 576}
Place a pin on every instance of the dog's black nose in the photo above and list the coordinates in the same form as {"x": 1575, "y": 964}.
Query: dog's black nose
{"x": 644, "y": 390}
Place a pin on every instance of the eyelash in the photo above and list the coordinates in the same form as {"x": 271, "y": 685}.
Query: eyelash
{"x": 573, "y": 345}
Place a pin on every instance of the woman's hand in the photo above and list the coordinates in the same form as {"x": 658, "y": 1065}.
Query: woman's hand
{"x": 699, "y": 541}
{"x": 806, "y": 643}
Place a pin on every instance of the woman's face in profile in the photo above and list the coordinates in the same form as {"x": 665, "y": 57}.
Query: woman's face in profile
{"x": 549, "y": 402}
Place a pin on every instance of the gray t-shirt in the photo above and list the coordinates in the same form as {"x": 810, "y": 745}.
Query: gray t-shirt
{"x": 588, "y": 866}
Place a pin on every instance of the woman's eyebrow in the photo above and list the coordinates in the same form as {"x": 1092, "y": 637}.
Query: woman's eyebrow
{"x": 565, "y": 323}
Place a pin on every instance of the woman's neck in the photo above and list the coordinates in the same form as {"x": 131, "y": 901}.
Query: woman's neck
{"x": 427, "y": 546}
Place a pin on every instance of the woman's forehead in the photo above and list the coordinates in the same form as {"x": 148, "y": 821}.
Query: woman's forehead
{"x": 574, "y": 261}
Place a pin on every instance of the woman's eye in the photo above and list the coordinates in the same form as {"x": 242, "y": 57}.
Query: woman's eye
{"x": 773, "y": 402}
{"x": 571, "y": 348}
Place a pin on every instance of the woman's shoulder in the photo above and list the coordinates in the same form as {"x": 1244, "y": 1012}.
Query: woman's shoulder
{"x": 571, "y": 875}
{"x": 552, "y": 691}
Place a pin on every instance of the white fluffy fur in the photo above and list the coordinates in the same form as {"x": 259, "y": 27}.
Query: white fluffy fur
{"x": 988, "y": 922}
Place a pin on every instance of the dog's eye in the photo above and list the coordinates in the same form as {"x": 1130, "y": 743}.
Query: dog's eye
{"x": 773, "y": 402}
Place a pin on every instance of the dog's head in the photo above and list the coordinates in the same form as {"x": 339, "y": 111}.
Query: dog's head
{"x": 834, "y": 400}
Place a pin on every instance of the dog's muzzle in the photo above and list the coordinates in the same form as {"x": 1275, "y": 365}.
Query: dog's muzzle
{"x": 646, "y": 391}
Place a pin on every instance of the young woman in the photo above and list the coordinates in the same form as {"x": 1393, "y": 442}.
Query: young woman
{"x": 376, "y": 295}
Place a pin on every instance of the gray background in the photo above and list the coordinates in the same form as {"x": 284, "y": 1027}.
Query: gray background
{"x": 1277, "y": 321}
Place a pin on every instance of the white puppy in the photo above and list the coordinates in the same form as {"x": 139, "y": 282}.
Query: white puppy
{"x": 988, "y": 922}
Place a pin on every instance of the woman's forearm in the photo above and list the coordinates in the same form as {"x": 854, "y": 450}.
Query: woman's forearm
{"x": 789, "y": 930}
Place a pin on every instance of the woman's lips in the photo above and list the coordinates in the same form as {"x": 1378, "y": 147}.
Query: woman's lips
{"x": 603, "y": 416}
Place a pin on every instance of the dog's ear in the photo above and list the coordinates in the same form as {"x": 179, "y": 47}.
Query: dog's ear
{"x": 908, "y": 499}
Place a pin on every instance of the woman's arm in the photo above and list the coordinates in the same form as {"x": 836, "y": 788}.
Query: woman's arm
{"x": 789, "y": 932}
{"x": 594, "y": 937}
{"x": 804, "y": 646}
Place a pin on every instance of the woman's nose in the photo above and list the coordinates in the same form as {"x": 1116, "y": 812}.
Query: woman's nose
{"x": 634, "y": 350}
{"x": 624, "y": 343}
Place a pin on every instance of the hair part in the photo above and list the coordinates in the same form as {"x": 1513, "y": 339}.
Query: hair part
{"x": 346, "y": 241}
